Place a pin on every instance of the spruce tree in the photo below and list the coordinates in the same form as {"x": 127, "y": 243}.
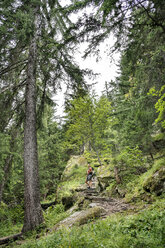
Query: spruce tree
{"x": 35, "y": 49}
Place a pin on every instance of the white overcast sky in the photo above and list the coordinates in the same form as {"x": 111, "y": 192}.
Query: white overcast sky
{"x": 106, "y": 67}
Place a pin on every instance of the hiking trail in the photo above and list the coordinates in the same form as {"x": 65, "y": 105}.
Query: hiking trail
{"x": 98, "y": 206}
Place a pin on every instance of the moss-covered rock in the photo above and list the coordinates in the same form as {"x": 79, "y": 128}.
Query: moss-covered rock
{"x": 68, "y": 201}
{"x": 156, "y": 182}
{"x": 74, "y": 177}
{"x": 80, "y": 217}
{"x": 105, "y": 175}
{"x": 76, "y": 166}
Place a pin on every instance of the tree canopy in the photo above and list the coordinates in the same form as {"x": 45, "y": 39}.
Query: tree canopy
{"x": 123, "y": 126}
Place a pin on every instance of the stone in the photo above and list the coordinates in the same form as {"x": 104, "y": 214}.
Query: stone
{"x": 105, "y": 176}
{"x": 80, "y": 217}
{"x": 68, "y": 201}
{"x": 156, "y": 182}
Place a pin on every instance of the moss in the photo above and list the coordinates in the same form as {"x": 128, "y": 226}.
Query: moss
{"x": 105, "y": 171}
{"x": 143, "y": 186}
{"x": 155, "y": 183}
{"x": 111, "y": 189}
{"x": 89, "y": 214}
{"x": 85, "y": 204}
{"x": 73, "y": 177}
{"x": 76, "y": 167}
{"x": 107, "y": 160}
{"x": 158, "y": 136}
{"x": 105, "y": 175}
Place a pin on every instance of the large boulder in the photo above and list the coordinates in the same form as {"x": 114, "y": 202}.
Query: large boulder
{"x": 80, "y": 217}
{"x": 105, "y": 176}
{"x": 76, "y": 165}
{"x": 156, "y": 182}
{"x": 73, "y": 177}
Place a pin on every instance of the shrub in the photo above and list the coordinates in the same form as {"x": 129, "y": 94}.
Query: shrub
{"x": 147, "y": 230}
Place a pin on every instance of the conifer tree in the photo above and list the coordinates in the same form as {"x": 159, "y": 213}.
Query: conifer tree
{"x": 35, "y": 45}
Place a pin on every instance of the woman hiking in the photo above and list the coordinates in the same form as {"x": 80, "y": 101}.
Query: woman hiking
{"x": 89, "y": 176}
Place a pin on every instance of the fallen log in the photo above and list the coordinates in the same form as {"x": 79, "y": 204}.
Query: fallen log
{"x": 6, "y": 240}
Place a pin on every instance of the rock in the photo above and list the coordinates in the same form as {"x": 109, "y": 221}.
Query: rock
{"x": 105, "y": 176}
{"x": 73, "y": 177}
{"x": 72, "y": 209}
{"x": 98, "y": 198}
{"x": 68, "y": 201}
{"x": 82, "y": 188}
{"x": 74, "y": 163}
{"x": 80, "y": 217}
{"x": 121, "y": 192}
{"x": 156, "y": 182}
{"x": 93, "y": 204}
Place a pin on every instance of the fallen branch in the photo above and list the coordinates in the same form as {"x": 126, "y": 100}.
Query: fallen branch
{"x": 6, "y": 240}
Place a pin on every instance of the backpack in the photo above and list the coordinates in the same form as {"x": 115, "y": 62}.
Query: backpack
{"x": 93, "y": 172}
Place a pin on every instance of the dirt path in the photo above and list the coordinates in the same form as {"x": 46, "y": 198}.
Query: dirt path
{"x": 110, "y": 205}
{"x": 97, "y": 207}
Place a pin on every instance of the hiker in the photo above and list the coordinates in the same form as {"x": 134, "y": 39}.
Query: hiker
{"x": 89, "y": 176}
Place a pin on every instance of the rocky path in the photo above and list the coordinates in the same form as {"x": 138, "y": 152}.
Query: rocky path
{"x": 97, "y": 207}
{"x": 109, "y": 205}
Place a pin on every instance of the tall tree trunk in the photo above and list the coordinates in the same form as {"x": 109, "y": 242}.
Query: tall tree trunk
{"x": 93, "y": 142}
{"x": 96, "y": 151}
{"x": 33, "y": 213}
{"x": 117, "y": 177}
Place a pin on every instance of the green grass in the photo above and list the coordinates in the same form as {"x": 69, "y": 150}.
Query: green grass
{"x": 75, "y": 177}
{"x": 135, "y": 189}
{"x": 143, "y": 230}
{"x": 11, "y": 219}
{"x": 53, "y": 215}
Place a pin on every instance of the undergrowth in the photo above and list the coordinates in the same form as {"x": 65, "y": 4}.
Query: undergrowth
{"x": 135, "y": 189}
{"x": 11, "y": 219}
{"x": 143, "y": 230}
{"x": 53, "y": 215}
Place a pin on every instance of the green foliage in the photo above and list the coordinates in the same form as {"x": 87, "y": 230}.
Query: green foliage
{"x": 136, "y": 188}
{"x": 11, "y": 219}
{"x": 160, "y": 104}
{"x": 51, "y": 157}
{"x": 131, "y": 157}
{"x": 87, "y": 120}
{"x": 55, "y": 214}
{"x": 120, "y": 127}
{"x": 4, "y": 151}
{"x": 118, "y": 231}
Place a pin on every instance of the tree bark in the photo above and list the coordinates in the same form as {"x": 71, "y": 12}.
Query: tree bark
{"x": 33, "y": 213}
{"x": 116, "y": 171}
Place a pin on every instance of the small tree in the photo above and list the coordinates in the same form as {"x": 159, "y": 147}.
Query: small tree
{"x": 87, "y": 120}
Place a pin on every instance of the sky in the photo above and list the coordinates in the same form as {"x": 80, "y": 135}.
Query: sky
{"x": 106, "y": 68}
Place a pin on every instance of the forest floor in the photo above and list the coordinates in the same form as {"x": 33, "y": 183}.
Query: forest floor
{"x": 97, "y": 206}
{"x": 110, "y": 205}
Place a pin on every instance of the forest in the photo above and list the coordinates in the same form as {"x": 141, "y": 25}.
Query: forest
{"x": 44, "y": 200}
